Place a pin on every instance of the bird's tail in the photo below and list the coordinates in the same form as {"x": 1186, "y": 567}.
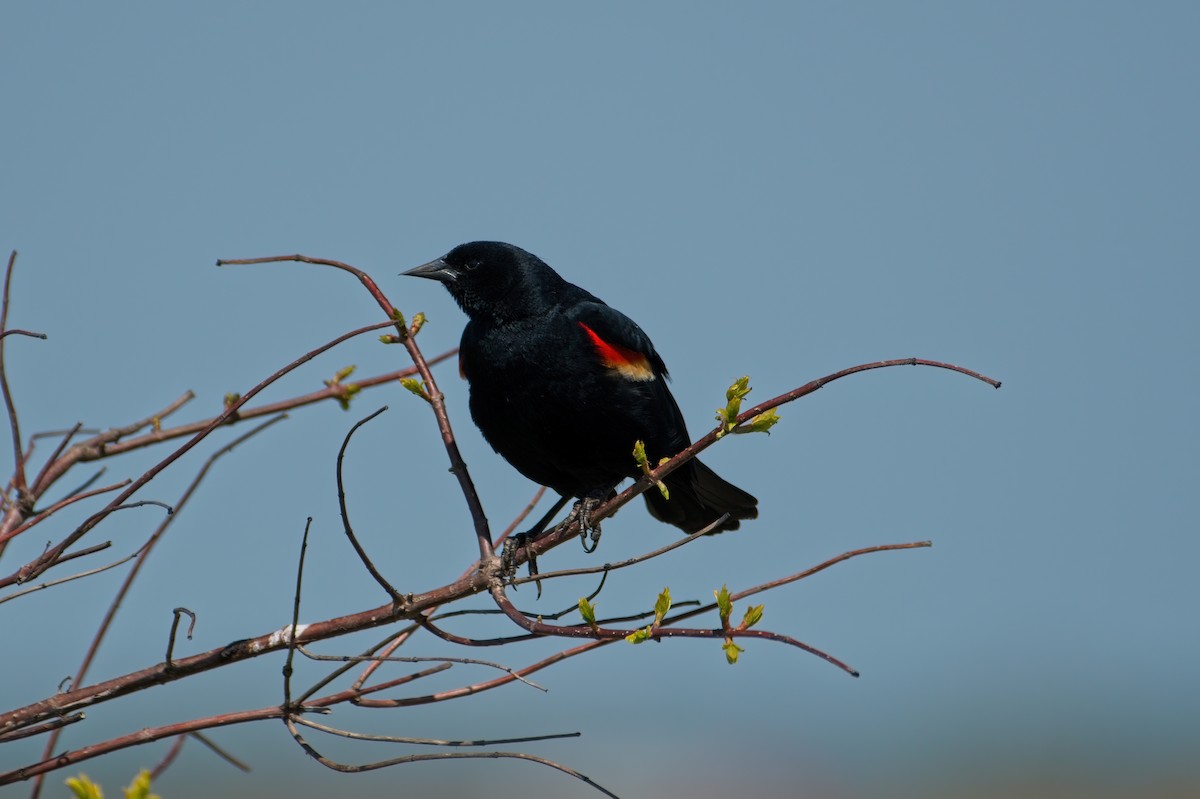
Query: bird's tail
{"x": 698, "y": 498}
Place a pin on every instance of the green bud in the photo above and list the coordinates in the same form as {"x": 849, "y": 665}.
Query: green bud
{"x": 661, "y": 606}
{"x": 724, "y": 605}
{"x": 752, "y": 617}
{"x": 761, "y": 423}
{"x": 417, "y": 387}
{"x": 588, "y": 611}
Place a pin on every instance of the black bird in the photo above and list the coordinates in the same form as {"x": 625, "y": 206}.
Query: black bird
{"x": 562, "y": 386}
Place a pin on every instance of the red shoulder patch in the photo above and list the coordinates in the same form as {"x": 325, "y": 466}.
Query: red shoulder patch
{"x": 630, "y": 364}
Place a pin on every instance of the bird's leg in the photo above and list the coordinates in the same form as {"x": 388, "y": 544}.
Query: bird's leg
{"x": 582, "y": 513}
{"x": 516, "y": 543}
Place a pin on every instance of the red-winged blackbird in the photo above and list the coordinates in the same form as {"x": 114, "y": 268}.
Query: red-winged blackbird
{"x": 562, "y": 386}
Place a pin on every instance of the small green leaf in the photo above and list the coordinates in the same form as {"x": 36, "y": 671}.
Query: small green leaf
{"x": 732, "y": 651}
{"x": 348, "y": 391}
{"x": 390, "y": 338}
{"x": 638, "y": 636}
{"x": 232, "y": 399}
{"x": 639, "y": 457}
{"x": 661, "y": 606}
{"x": 417, "y": 387}
{"x": 752, "y": 617}
{"x": 588, "y": 611}
{"x": 733, "y": 404}
{"x": 417, "y": 323}
{"x": 83, "y": 788}
{"x": 724, "y": 605}
{"x": 739, "y": 389}
{"x": 140, "y": 787}
{"x": 398, "y": 317}
{"x": 760, "y": 424}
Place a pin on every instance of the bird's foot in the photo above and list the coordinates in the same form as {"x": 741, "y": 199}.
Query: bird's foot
{"x": 589, "y": 531}
{"x": 508, "y": 556}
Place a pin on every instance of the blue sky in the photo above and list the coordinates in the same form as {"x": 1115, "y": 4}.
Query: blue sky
{"x": 779, "y": 190}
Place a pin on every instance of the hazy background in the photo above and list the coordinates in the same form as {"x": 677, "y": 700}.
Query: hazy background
{"x": 779, "y": 190}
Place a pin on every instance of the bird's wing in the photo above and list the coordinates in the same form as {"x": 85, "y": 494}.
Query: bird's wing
{"x": 618, "y": 342}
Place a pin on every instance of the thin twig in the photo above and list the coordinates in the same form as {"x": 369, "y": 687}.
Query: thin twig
{"x": 47, "y": 559}
{"x": 338, "y": 672}
{"x": 221, "y": 753}
{"x": 143, "y": 556}
{"x": 292, "y": 644}
{"x": 347, "y": 768}
{"x": 621, "y": 564}
{"x": 61, "y": 580}
{"x": 479, "y": 687}
{"x": 41, "y": 516}
{"x": 139, "y": 737}
{"x": 458, "y": 466}
{"x": 175, "y": 627}
{"x": 656, "y": 475}
{"x": 53, "y": 724}
{"x": 58, "y": 451}
{"x": 346, "y": 526}
{"x": 407, "y": 659}
{"x": 244, "y": 414}
{"x": 168, "y": 758}
{"x": 400, "y": 739}
{"x": 13, "y": 425}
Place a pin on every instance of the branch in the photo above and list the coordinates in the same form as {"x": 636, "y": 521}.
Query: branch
{"x": 142, "y": 555}
{"x": 13, "y": 426}
{"x": 608, "y": 508}
{"x": 458, "y": 466}
{"x": 346, "y": 527}
{"x": 48, "y": 558}
{"x": 353, "y": 769}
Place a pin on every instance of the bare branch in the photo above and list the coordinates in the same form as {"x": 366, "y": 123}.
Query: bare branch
{"x": 57, "y": 506}
{"x": 458, "y": 466}
{"x": 53, "y": 724}
{"x": 219, "y": 752}
{"x": 142, "y": 555}
{"x": 169, "y": 757}
{"x": 13, "y": 426}
{"x": 349, "y": 530}
{"x": 324, "y": 761}
{"x": 88, "y": 573}
{"x": 295, "y": 628}
{"x": 400, "y": 739}
{"x": 269, "y": 409}
{"x": 47, "y": 559}
{"x": 143, "y": 736}
{"x": 175, "y": 627}
{"x": 414, "y": 611}
{"x": 414, "y": 659}
{"x": 603, "y": 511}
{"x": 16, "y": 331}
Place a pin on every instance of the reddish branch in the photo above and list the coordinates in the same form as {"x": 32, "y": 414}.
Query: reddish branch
{"x": 416, "y": 609}
{"x": 458, "y": 466}
{"x": 101, "y": 446}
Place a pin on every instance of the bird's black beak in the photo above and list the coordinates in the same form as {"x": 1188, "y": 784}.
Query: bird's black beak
{"x": 437, "y": 270}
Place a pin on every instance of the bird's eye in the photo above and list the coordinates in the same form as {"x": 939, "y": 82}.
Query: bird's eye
{"x": 471, "y": 266}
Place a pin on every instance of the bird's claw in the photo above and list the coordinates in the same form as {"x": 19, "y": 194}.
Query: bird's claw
{"x": 508, "y": 556}
{"x": 589, "y": 531}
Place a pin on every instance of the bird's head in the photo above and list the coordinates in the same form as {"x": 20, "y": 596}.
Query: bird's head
{"x": 493, "y": 280}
